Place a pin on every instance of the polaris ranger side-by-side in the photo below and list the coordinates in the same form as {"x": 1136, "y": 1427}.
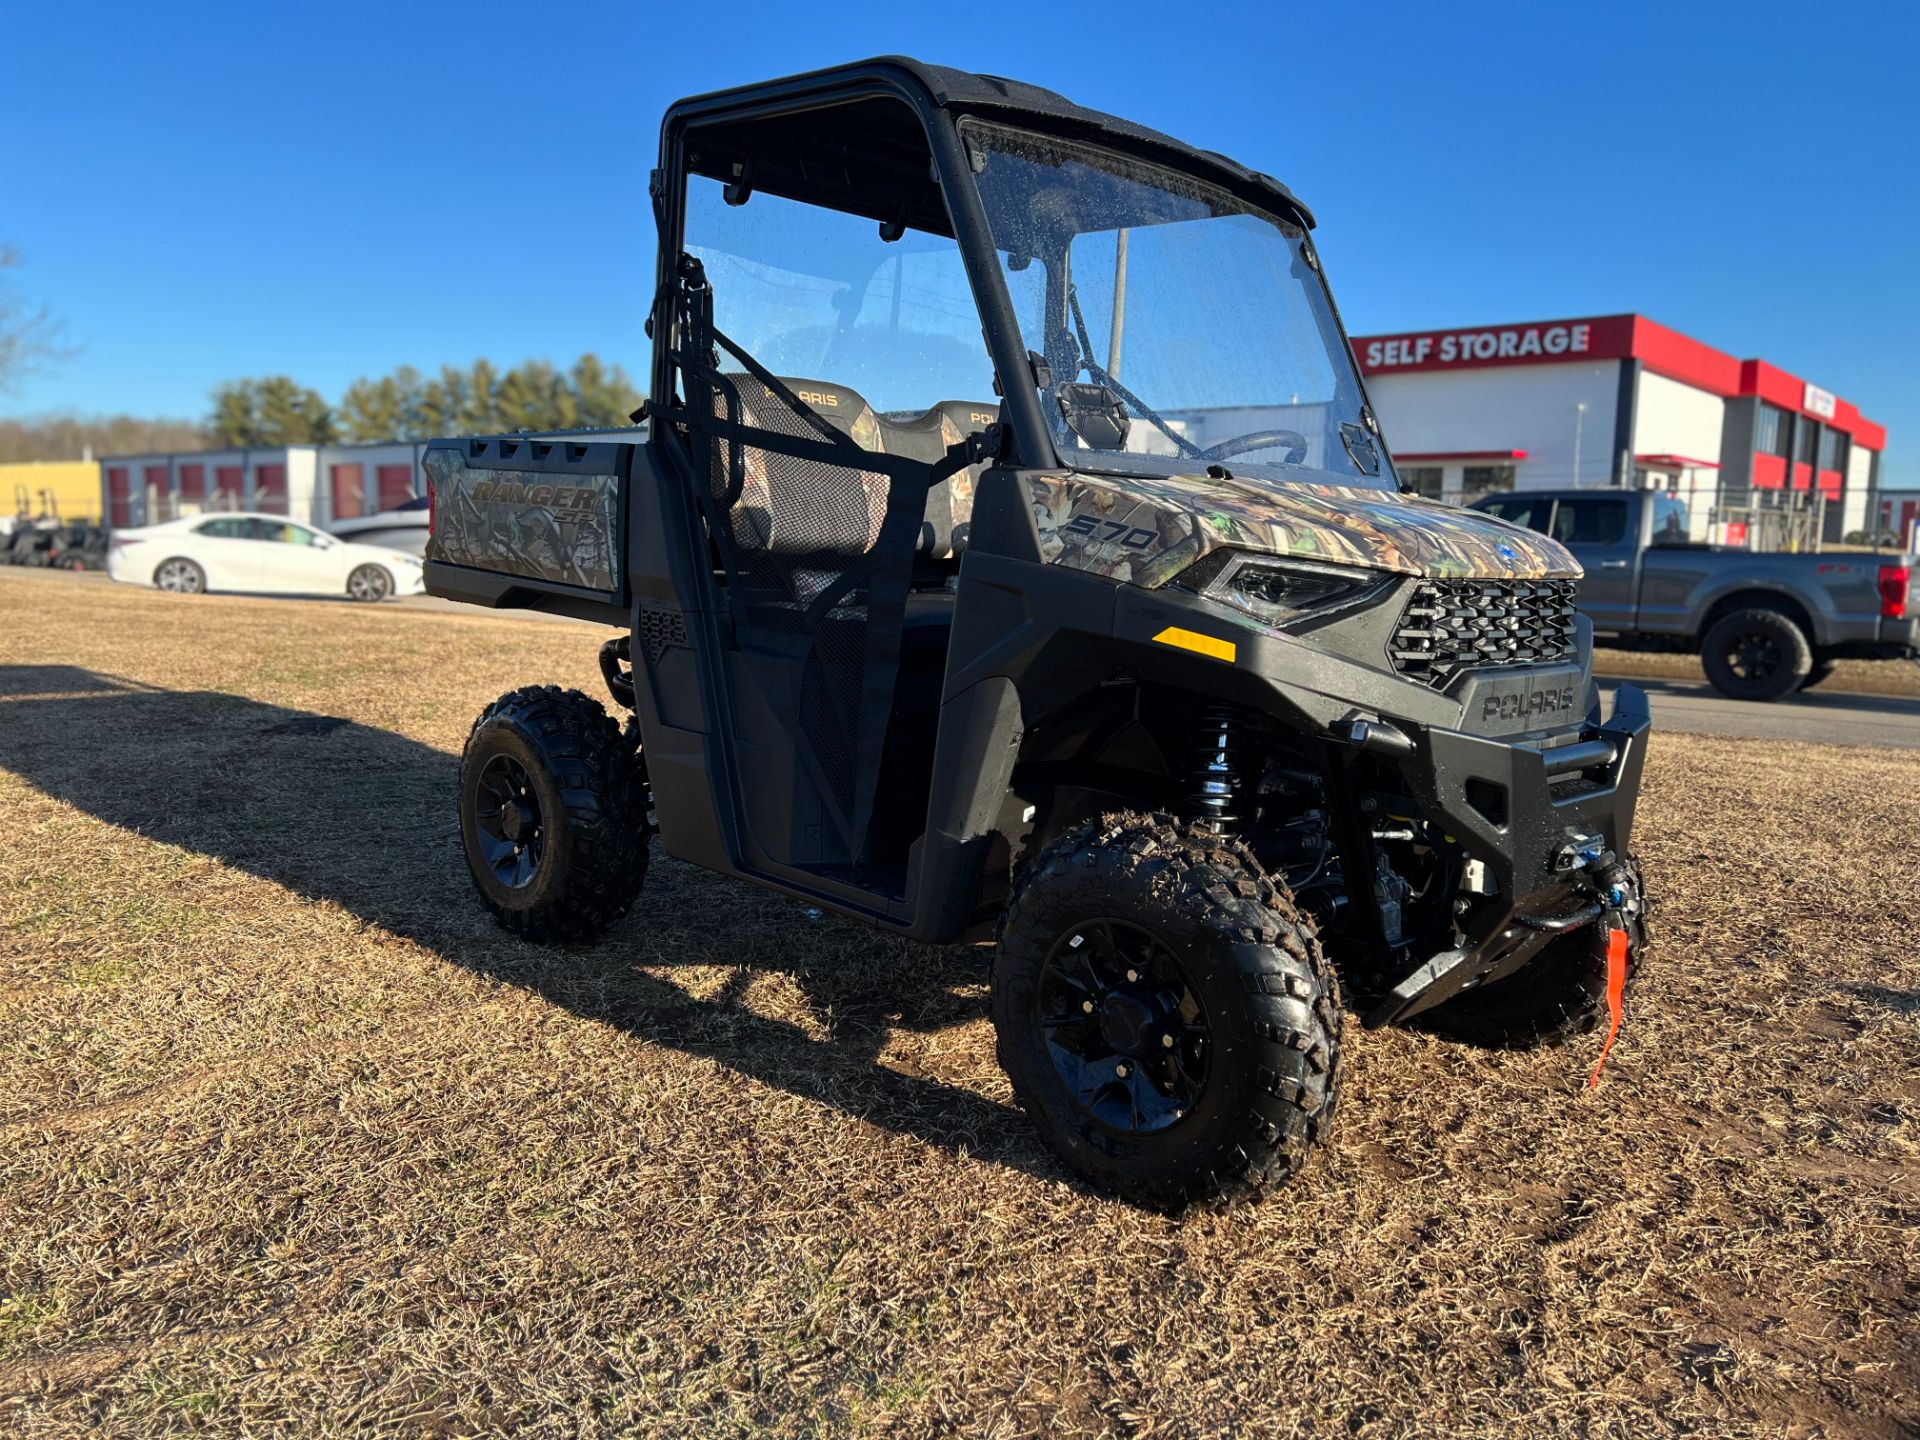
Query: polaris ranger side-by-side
{"x": 1010, "y": 550}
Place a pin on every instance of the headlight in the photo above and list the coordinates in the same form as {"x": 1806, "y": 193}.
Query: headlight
{"x": 1275, "y": 590}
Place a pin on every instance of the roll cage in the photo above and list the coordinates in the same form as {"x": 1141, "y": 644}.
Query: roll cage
{"x": 843, "y": 164}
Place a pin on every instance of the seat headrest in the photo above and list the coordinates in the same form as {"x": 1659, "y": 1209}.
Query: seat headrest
{"x": 969, "y": 415}
{"x": 839, "y": 404}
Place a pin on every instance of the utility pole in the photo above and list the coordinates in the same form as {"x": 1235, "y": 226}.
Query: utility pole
{"x": 1117, "y": 332}
{"x": 1579, "y": 424}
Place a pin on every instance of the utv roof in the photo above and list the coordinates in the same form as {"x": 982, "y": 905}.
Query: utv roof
{"x": 994, "y": 96}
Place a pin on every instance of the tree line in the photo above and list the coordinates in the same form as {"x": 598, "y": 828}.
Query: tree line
{"x": 406, "y": 405}
{"x": 73, "y": 437}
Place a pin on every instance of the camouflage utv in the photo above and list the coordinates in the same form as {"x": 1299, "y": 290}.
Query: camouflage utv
{"x": 1010, "y": 550}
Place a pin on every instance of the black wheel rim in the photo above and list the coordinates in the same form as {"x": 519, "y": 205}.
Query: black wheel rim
{"x": 507, "y": 821}
{"x": 1125, "y": 1031}
{"x": 1753, "y": 656}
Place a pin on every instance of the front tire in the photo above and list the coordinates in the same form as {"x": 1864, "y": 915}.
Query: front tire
{"x": 1164, "y": 1012}
{"x": 552, "y": 815}
{"x": 370, "y": 584}
{"x": 1756, "y": 655}
{"x": 180, "y": 576}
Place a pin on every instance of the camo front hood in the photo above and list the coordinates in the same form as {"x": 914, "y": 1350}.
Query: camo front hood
{"x": 1147, "y": 529}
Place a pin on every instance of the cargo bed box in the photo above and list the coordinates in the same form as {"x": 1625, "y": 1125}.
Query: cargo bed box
{"x": 528, "y": 522}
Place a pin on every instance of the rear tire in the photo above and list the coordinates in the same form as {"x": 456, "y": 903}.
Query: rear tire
{"x": 1821, "y": 673}
{"x": 552, "y": 815}
{"x": 1561, "y": 994}
{"x": 1756, "y": 655}
{"x": 180, "y": 576}
{"x": 370, "y": 584}
{"x": 1207, "y": 1060}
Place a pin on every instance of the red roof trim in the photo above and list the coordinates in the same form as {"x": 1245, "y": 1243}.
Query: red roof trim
{"x": 1682, "y": 462}
{"x": 1680, "y": 357}
{"x": 1461, "y": 455}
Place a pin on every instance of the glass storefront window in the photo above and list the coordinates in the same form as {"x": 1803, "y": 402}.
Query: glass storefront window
{"x": 1478, "y": 480}
{"x": 1833, "y": 451}
{"x": 1424, "y": 480}
{"x": 1774, "y": 431}
{"x": 1522, "y": 510}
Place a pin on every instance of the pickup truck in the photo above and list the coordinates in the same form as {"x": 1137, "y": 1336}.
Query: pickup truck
{"x": 1764, "y": 625}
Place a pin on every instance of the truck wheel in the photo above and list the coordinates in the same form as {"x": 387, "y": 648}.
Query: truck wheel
{"x": 1821, "y": 673}
{"x": 181, "y": 576}
{"x": 1164, "y": 1012}
{"x": 551, "y": 818}
{"x": 1756, "y": 655}
{"x": 1560, "y": 995}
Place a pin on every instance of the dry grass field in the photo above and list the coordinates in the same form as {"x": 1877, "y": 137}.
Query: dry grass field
{"x": 293, "y": 1142}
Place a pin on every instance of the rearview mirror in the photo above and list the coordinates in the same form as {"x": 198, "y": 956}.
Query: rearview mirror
{"x": 1094, "y": 413}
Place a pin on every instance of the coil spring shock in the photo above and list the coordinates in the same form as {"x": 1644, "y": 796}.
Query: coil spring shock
{"x": 1213, "y": 785}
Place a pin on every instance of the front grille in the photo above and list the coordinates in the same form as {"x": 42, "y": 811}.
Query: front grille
{"x": 1450, "y": 626}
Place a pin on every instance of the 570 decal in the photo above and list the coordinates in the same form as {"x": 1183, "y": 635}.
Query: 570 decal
{"x": 1108, "y": 532}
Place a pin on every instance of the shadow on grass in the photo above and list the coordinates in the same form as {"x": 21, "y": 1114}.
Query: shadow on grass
{"x": 366, "y": 819}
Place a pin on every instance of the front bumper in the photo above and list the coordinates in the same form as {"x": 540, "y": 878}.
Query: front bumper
{"x": 1530, "y": 813}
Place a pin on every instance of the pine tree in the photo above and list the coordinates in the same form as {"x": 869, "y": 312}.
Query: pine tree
{"x": 480, "y": 415}
{"x": 534, "y": 396}
{"x": 443, "y": 404}
{"x": 235, "y": 418}
{"x": 604, "y": 397}
{"x": 373, "y": 410}
{"x": 287, "y": 414}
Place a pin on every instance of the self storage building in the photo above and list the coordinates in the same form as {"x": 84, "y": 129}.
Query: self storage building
{"x": 1619, "y": 400}
{"x": 315, "y": 483}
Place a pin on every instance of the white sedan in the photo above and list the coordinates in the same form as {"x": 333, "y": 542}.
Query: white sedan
{"x": 257, "y": 554}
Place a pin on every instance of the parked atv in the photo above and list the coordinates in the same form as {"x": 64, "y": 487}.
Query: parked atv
{"x": 81, "y": 545}
{"x": 1011, "y": 550}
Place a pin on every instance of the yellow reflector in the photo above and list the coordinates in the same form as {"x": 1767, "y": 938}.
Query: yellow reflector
{"x": 1200, "y": 644}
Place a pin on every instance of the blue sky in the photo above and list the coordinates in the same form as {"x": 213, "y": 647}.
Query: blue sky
{"x": 216, "y": 190}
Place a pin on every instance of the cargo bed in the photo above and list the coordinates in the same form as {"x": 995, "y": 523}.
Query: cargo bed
{"x": 533, "y": 522}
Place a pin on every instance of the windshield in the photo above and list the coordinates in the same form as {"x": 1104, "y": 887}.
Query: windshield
{"x": 1181, "y": 326}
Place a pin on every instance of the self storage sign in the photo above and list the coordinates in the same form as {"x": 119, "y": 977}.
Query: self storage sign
{"x": 1467, "y": 347}
{"x": 1508, "y": 344}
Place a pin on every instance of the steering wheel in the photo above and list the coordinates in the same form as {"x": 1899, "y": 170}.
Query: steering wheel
{"x": 1295, "y": 442}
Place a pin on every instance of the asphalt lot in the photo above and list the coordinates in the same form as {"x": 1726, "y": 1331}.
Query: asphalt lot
{"x": 1824, "y": 716}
